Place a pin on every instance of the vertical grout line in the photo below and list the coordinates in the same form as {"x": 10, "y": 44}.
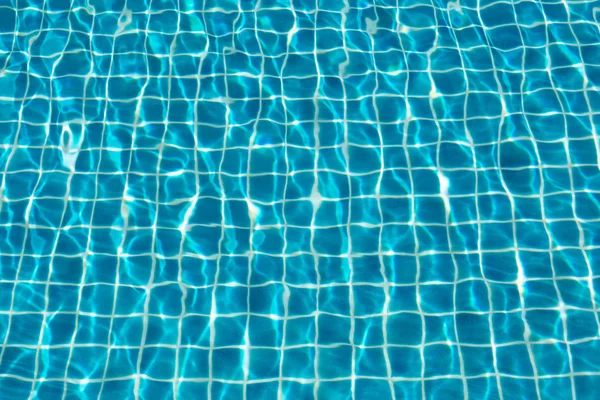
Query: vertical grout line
{"x": 286, "y": 290}
{"x": 444, "y": 184}
{"x": 386, "y": 285}
{"x": 412, "y": 223}
{"x": 253, "y": 210}
{"x": 315, "y": 198}
{"x": 471, "y": 144}
{"x": 521, "y": 278}
{"x": 155, "y": 226}
{"x": 345, "y": 152}
{"x": 124, "y": 202}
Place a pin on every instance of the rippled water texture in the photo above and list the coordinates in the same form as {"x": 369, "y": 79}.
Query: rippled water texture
{"x": 214, "y": 199}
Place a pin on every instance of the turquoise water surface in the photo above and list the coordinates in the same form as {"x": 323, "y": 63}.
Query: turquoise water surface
{"x": 301, "y": 199}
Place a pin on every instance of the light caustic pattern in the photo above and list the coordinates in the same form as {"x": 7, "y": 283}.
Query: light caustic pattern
{"x": 313, "y": 198}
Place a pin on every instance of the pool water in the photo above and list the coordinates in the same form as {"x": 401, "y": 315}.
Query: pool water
{"x": 205, "y": 199}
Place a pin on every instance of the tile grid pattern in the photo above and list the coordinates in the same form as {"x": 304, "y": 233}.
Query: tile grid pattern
{"x": 263, "y": 198}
